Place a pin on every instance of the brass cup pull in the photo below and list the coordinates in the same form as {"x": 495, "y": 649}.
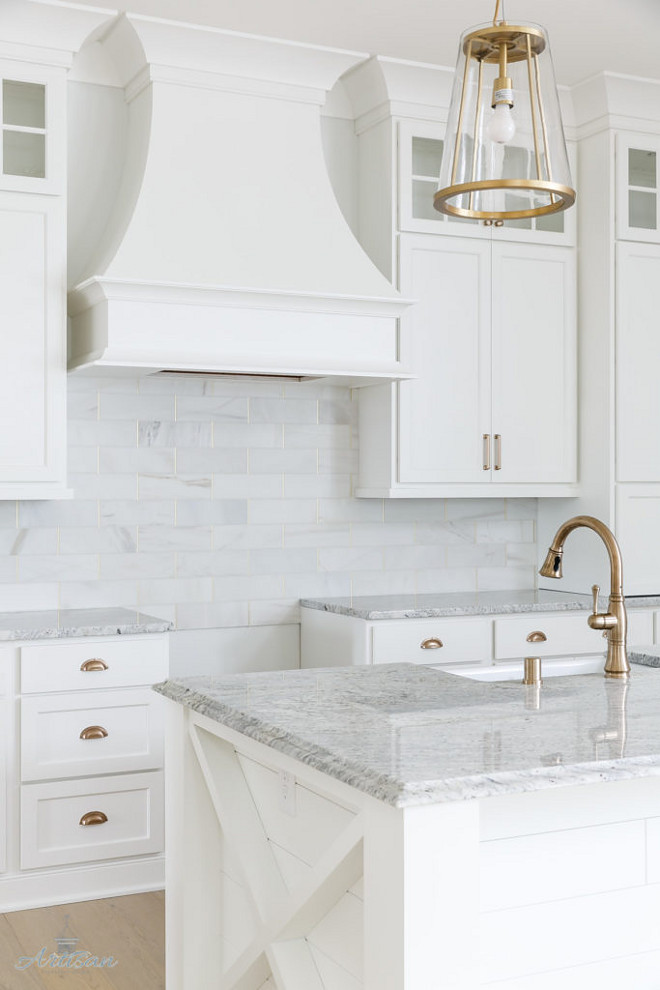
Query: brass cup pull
{"x": 537, "y": 637}
{"x": 94, "y": 664}
{"x": 93, "y": 818}
{"x": 431, "y": 644}
{"x": 94, "y": 732}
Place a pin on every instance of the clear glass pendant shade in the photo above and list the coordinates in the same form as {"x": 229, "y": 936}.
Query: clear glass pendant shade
{"x": 505, "y": 154}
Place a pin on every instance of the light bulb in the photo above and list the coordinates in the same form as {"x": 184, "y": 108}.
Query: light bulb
{"x": 501, "y": 126}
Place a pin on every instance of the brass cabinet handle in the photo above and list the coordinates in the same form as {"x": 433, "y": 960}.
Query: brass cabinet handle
{"x": 537, "y": 637}
{"x": 498, "y": 451}
{"x": 486, "y": 451}
{"x": 431, "y": 644}
{"x": 94, "y": 732}
{"x": 93, "y": 818}
{"x": 95, "y": 664}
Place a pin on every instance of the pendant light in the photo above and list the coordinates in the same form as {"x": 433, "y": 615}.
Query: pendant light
{"x": 504, "y": 155}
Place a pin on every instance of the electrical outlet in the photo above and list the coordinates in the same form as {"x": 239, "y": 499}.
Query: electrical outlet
{"x": 287, "y": 793}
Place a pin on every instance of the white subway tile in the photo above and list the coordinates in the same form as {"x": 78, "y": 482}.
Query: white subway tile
{"x": 84, "y": 433}
{"x": 83, "y": 405}
{"x": 283, "y": 410}
{"x": 9, "y": 570}
{"x": 350, "y": 510}
{"x": 156, "y": 434}
{"x": 246, "y": 587}
{"x": 384, "y": 583}
{"x": 84, "y": 460}
{"x": 220, "y": 512}
{"x": 253, "y": 435}
{"x": 209, "y": 562}
{"x": 179, "y": 486}
{"x": 439, "y": 581}
{"x": 133, "y": 513}
{"x": 282, "y": 561}
{"x": 71, "y": 567}
{"x": 226, "y": 409}
{"x": 477, "y": 555}
{"x": 414, "y": 510}
{"x": 317, "y": 535}
{"x": 474, "y": 508}
{"x": 337, "y": 410}
{"x": 209, "y": 615}
{"x": 282, "y": 510}
{"x": 282, "y": 460}
{"x": 105, "y": 539}
{"x": 350, "y": 559}
{"x": 338, "y": 460}
{"x": 138, "y": 406}
{"x": 175, "y": 590}
{"x": 251, "y": 486}
{"x": 28, "y": 597}
{"x": 521, "y": 553}
{"x": 98, "y": 594}
{"x": 321, "y": 436}
{"x": 148, "y": 460}
{"x": 382, "y": 535}
{"x": 247, "y": 537}
{"x": 509, "y": 578}
{"x": 137, "y": 565}
{"x": 316, "y": 585}
{"x": 155, "y": 539}
{"x": 89, "y": 486}
{"x": 275, "y": 613}
{"x": 29, "y": 541}
{"x": 156, "y": 611}
{"x": 505, "y": 530}
{"x": 415, "y": 558}
{"x": 171, "y": 383}
{"x": 9, "y": 514}
{"x": 214, "y": 460}
{"x": 521, "y": 508}
{"x": 321, "y": 485}
{"x": 446, "y": 533}
{"x": 73, "y": 513}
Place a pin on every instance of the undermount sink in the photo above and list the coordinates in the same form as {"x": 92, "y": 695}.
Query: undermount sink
{"x": 513, "y": 671}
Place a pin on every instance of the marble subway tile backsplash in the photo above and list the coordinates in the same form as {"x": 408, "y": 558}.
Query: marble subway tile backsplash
{"x": 212, "y": 502}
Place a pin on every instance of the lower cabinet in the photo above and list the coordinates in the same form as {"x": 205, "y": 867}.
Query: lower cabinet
{"x": 84, "y": 769}
{"x": 332, "y": 640}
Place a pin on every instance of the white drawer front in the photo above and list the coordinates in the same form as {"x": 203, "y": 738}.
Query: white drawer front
{"x": 565, "y": 635}
{"x": 125, "y": 662}
{"x": 404, "y": 639}
{"x": 62, "y": 735}
{"x": 51, "y": 833}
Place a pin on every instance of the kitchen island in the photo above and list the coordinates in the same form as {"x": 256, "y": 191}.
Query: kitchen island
{"x": 401, "y": 828}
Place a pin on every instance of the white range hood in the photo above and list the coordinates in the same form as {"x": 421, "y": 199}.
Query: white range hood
{"x": 227, "y": 251}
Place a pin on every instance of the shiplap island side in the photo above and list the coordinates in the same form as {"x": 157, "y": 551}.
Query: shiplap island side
{"x": 402, "y": 828}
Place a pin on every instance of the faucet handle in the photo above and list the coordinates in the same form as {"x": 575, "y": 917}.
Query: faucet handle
{"x": 595, "y": 591}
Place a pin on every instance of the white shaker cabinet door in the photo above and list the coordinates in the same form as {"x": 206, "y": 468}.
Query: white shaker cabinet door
{"x": 445, "y": 411}
{"x": 32, "y": 343}
{"x": 534, "y": 364}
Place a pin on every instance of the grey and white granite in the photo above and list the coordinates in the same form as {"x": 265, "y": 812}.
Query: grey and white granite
{"x": 409, "y": 734}
{"x": 647, "y": 656}
{"x": 463, "y": 603}
{"x": 71, "y": 623}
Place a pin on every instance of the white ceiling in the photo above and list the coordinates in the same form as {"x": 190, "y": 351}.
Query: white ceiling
{"x": 586, "y": 36}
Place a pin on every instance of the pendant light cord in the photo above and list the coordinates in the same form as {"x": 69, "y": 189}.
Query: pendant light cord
{"x": 502, "y": 19}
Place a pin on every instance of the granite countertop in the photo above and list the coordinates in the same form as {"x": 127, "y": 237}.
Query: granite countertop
{"x": 70, "y": 623}
{"x": 463, "y": 603}
{"x": 409, "y": 734}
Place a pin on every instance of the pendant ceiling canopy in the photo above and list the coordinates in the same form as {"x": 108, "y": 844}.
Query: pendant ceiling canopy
{"x": 504, "y": 155}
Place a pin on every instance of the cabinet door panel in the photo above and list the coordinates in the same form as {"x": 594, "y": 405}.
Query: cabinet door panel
{"x": 637, "y": 357}
{"x": 534, "y": 380}
{"x": 32, "y": 342}
{"x": 445, "y": 410}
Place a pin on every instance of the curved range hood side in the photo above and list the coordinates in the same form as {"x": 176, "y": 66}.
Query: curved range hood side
{"x": 236, "y": 257}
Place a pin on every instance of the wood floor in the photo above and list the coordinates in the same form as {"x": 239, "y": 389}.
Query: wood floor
{"x": 130, "y": 929}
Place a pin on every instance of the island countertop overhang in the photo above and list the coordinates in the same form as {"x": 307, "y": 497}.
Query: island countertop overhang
{"x": 410, "y": 735}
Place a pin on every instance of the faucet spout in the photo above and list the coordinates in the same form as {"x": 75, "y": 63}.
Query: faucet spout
{"x": 614, "y": 622}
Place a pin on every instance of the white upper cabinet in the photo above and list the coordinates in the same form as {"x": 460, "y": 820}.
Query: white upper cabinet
{"x": 638, "y": 187}
{"x": 32, "y": 283}
{"x": 492, "y": 343}
{"x": 420, "y": 151}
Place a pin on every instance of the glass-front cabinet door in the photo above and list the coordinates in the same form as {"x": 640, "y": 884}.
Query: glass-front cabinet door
{"x": 637, "y": 187}
{"x": 421, "y": 147}
{"x": 32, "y": 134}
